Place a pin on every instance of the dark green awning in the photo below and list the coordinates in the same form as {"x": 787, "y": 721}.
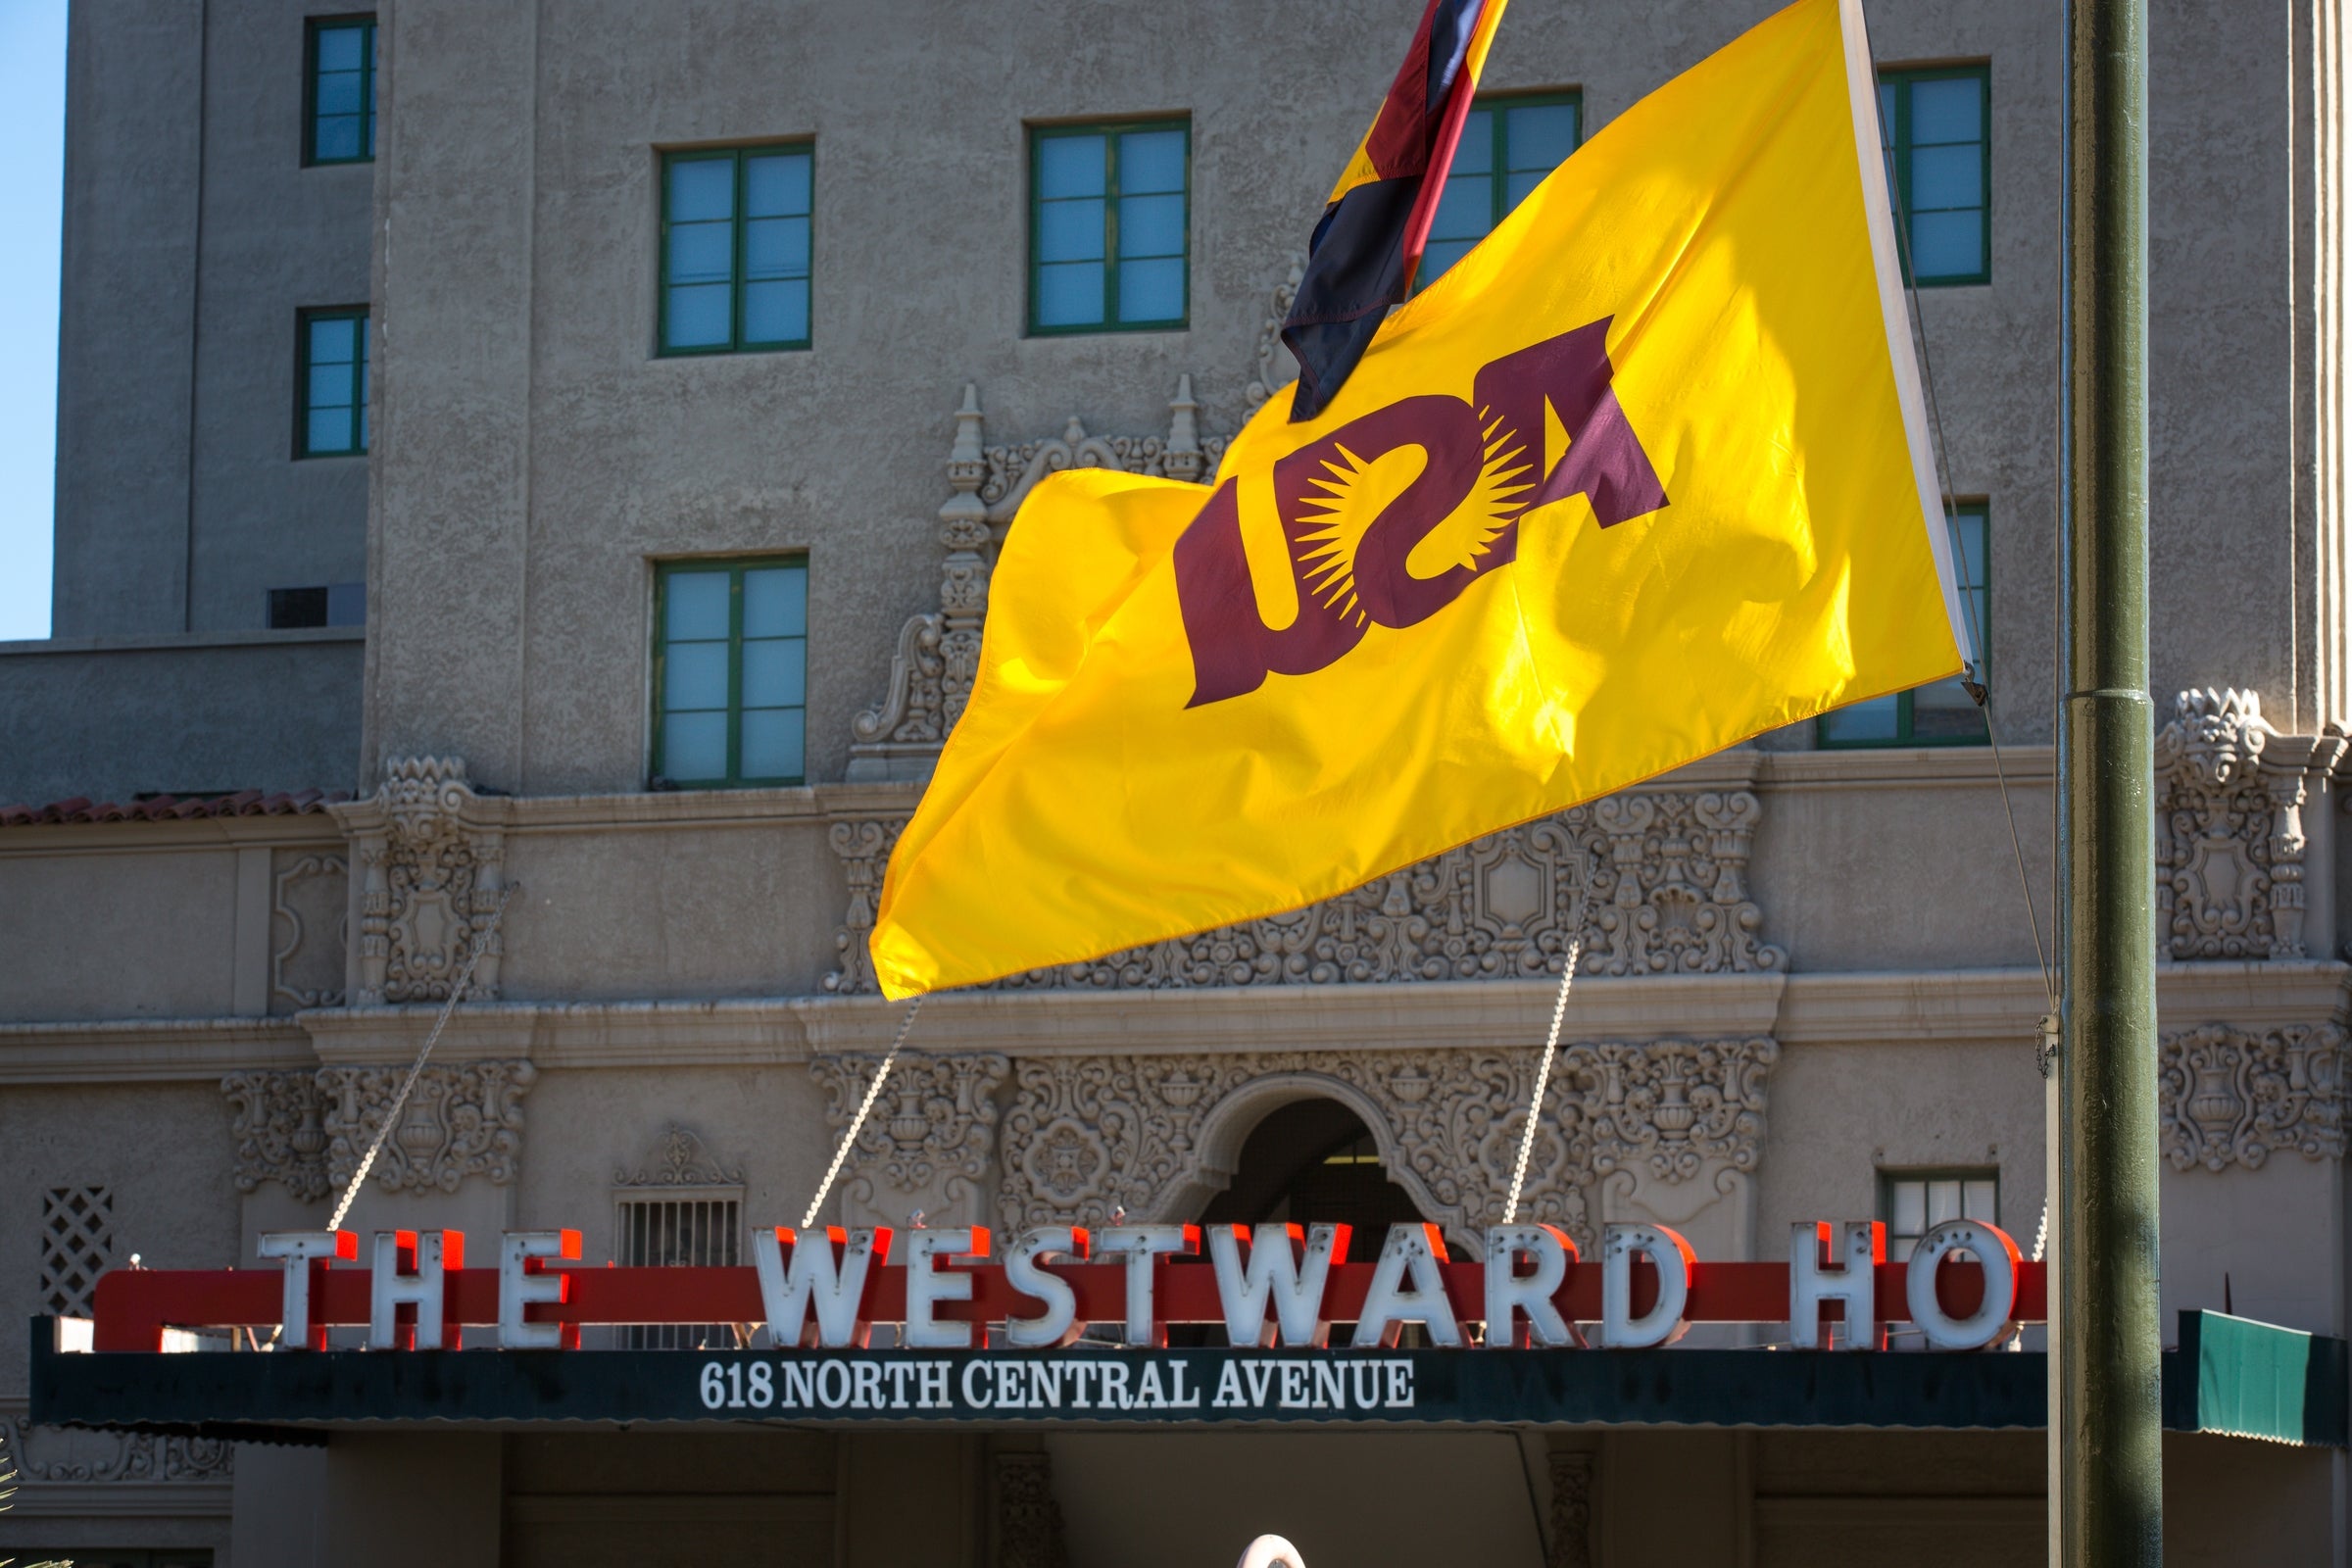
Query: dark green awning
{"x": 2245, "y": 1379}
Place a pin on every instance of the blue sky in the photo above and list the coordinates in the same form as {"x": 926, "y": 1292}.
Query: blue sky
{"x": 32, "y": 153}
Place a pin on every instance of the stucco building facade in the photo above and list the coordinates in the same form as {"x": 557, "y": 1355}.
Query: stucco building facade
{"x": 328, "y": 706}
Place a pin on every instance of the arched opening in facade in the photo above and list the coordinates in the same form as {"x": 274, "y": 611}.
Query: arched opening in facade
{"x": 1315, "y": 1162}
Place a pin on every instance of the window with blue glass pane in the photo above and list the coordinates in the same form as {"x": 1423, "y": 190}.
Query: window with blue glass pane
{"x": 332, "y": 416}
{"x": 1109, "y": 216}
{"x": 1936, "y": 127}
{"x": 731, "y": 673}
{"x": 1943, "y": 714}
{"x": 735, "y": 249}
{"x": 1508, "y": 145}
{"x": 339, "y": 91}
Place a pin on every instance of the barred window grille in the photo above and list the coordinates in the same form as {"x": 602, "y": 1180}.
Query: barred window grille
{"x": 78, "y": 1242}
{"x": 679, "y": 1231}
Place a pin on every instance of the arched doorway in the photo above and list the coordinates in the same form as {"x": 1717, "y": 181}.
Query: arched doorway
{"x": 1313, "y": 1161}
{"x": 1310, "y": 1162}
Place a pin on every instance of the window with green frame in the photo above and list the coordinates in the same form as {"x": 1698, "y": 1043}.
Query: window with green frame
{"x": 1943, "y": 714}
{"x": 1109, "y": 216}
{"x": 731, "y": 672}
{"x": 735, "y": 249}
{"x": 1508, "y": 144}
{"x": 330, "y": 417}
{"x": 1935, "y": 126}
{"x": 338, "y": 114}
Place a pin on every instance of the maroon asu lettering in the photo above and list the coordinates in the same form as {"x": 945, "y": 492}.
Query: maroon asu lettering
{"x": 1482, "y": 466}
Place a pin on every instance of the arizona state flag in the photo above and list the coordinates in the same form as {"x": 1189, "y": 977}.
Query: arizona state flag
{"x": 1374, "y": 227}
{"x": 1643, "y": 474}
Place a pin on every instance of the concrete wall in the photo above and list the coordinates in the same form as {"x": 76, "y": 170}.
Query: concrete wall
{"x": 111, "y": 718}
{"x": 534, "y": 458}
{"x": 528, "y": 478}
{"x": 193, "y": 235}
{"x": 162, "y": 1150}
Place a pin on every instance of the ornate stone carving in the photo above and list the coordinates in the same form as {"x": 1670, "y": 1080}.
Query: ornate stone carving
{"x": 1149, "y": 1134}
{"x": 938, "y": 651}
{"x": 1571, "y": 1508}
{"x": 463, "y": 1120}
{"x": 677, "y": 1157}
{"x": 308, "y": 1129}
{"x": 61, "y": 1455}
{"x": 433, "y": 854}
{"x": 1272, "y": 367}
{"x": 2230, "y": 840}
{"x": 309, "y": 902}
{"x": 1028, "y": 1521}
{"x": 1669, "y": 896}
{"x": 281, "y": 1131}
{"x": 931, "y": 1138}
{"x": 2231, "y": 1097}
{"x": 865, "y": 849}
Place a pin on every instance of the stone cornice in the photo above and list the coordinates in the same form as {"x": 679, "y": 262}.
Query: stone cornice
{"x": 179, "y": 642}
{"x": 1954, "y": 1007}
{"x": 148, "y": 1050}
{"x": 303, "y": 830}
{"x": 1925, "y": 767}
{"x": 1907, "y": 768}
{"x": 814, "y": 804}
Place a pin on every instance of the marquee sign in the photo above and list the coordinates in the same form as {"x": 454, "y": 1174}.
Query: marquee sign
{"x": 1964, "y": 1288}
{"x": 831, "y": 1327}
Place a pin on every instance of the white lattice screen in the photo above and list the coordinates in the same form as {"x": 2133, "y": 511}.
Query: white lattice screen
{"x": 78, "y": 1242}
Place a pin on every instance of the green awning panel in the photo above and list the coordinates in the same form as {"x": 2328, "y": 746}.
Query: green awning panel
{"x": 2245, "y": 1379}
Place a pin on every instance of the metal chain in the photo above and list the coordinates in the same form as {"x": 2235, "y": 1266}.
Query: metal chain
{"x": 873, "y": 1092}
{"x": 457, "y": 992}
{"x": 1552, "y": 1046}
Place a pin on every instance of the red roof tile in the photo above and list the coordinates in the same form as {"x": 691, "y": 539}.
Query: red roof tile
{"x": 172, "y": 808}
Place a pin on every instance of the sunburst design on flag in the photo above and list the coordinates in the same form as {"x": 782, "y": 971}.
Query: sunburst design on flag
{"x": 1355, "y": 492}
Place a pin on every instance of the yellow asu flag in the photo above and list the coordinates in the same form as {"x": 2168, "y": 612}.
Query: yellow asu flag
{"x": 1643, "y": 474}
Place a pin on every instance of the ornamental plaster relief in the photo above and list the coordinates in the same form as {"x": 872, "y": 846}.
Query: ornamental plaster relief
{"x": 1572, "y": 1475}
{"x": 2236, "y": 1097}
{"x": 1670, "y": 1123}
{"x": 61, "y": 1455}
{"x": 432, "y": 855}
{"x": 309, "y": 914}
{"x": 938, "y": 651}
{"x": 2229, "y": 839}
{"x": 307, "y": 1131}
{"x": 930, "y": 1141}
{"x": 677, "y": 1160}
{"x": 1669, "y": 896}
{"x": 1027, "y": 1531}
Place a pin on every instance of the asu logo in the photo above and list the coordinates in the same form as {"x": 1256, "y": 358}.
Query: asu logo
{"x": 1389, "y": 517}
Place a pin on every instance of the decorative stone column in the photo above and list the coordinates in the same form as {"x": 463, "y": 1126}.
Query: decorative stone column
{"x": 432, "y": 855}
{"x": 938, "y": 651}
{"x": 2229, "y": 839}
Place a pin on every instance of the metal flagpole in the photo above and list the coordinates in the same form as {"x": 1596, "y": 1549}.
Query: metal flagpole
{"x": 2107, "y": 1483}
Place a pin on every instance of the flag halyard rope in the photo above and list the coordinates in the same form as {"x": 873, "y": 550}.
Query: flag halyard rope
{"x": 1978, "y": 690}
{"x": 873, "y": 1092}
{"x": 1552, "y": 1046}
{"x": 456, "y": 993}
